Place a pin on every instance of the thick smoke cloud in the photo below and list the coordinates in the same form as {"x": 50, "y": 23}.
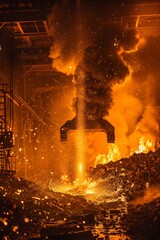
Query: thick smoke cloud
{"x": 74, "y": 26}
{"x": 103, "y": 66}
{"x": 63, "y": 28}
{"x": 84, "y": 43}
{"x": 146, "y": 87}
{"x": 146, "y": 73}
{"x": 111, "y": 76}
{"x": 69, "y": 31}
{"x": 137, "y": 101}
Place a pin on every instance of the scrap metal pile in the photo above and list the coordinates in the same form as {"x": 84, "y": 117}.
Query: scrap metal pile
{"x": 138, "y": 179}
{"x": 131, "y": 176}
{"x": 26, "y": 207}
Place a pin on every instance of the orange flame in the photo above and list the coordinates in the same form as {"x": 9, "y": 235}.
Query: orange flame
{"x": 113, "y": 155}
{"x": 145, "y": 145}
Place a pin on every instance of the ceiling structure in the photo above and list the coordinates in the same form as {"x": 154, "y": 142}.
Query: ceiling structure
{"x": 26, "y": 23}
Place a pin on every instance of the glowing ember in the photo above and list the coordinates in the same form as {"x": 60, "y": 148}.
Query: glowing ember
{"x": 3, "y": 221}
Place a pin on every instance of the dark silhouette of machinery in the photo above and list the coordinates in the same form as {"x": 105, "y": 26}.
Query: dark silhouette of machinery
{"x": 90, "y": 124}
{"x": 99, "y": 125}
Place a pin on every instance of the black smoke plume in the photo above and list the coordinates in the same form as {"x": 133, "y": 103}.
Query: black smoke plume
{"x": 103, "y": 66}
{"x": 82, "y": 36}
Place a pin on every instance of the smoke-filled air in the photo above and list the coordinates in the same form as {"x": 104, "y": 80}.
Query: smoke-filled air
{"x": 136, "y": 102}
{"x": 115, "y": 75}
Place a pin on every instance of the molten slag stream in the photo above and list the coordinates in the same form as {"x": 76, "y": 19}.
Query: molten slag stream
{"x": 80, "y": 155}
{"x": 81, "y": 143}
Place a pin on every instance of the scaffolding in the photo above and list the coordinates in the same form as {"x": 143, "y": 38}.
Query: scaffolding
{"x": 7, "y": 161}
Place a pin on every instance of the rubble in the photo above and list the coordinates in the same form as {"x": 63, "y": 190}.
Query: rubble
{"x": 26, "y": 209}
{"x": 143, "y": 221}
{"x": 25, "y": 206}
{"x": 134, "y": 177}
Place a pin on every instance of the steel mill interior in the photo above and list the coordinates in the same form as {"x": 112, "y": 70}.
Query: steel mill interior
{"x": 43, "y": 95}
{"x": 79, "y": 119}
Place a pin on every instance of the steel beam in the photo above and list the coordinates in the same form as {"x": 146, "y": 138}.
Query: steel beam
{"x": 23, "y": 15}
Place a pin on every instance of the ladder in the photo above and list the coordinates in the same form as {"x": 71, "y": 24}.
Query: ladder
{"x": 7, "y": 162}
